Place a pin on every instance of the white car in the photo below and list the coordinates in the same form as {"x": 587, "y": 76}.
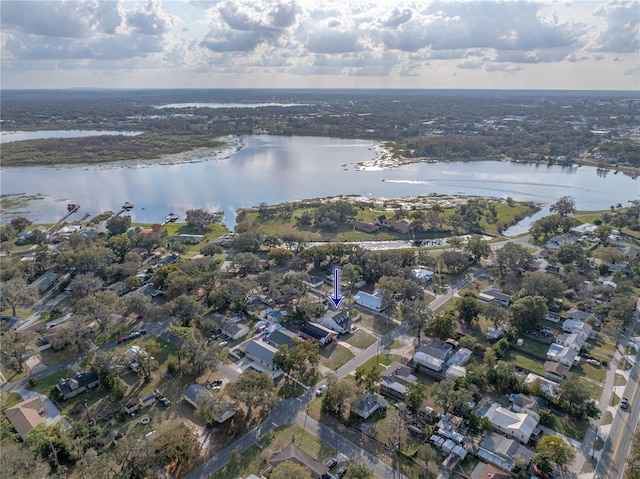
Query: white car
{"x": 320, "y": 390}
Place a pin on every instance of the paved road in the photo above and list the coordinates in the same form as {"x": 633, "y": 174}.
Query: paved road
{"x": 616, "y": 448}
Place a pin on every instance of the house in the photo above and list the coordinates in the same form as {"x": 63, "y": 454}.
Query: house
{"x": 147, "y": 400}
{"x": 147, "y": 290}
{"x": 277, "y": 335}
{"x": 314, "y": 282}
{"x": 369, "y": 301}
{"x": 460, "y": 357}
{"x": 527, "y": 404}
{"x": 366, "y": 406}
{"x": 573, "y": 341}
{"x": 422, "y": 274}
{"x": 454, "y": 372}
{"x": 119, "y": 288}
{"x": 262, "y": 353}
{"x": 433, "y": 354}
{"x": 186, "y": 238}
{"x": 26, "y": 415}
{"x": 131, "y": 408}
{"x": 519, "y": 426}
{"x": 562, "y": 354}
{"x": 294, "y": 454}
{"x": 578, "y": 327}
{"x": 584, "y": 229}
{"x": 71, "y": 387}
{"x": 395, "y": 379}
{"x": 502, "y": 451}
{"x": 194, "y": 393}
{"x": 488, "y": 471}
{"x": 317, "y": 333}
{"x": 556, "y": 372}
{"x": 555, "y": 242}
{"x": 490, "y": 294}
{"x": 365, "y": 227}
{"x": 45, "y": 280}
{"x": 336, "y": 321}
{"x": 401, "y": 226}
{"x": 381, "y": 221}
{"x": 167, "y": 260}
{"x": 233, "y": 329}
{"x": 546, "y": 385}
{"x": 451, "y": 427}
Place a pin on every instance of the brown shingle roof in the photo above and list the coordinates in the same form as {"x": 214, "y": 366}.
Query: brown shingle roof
{"x": 24, "y": 416}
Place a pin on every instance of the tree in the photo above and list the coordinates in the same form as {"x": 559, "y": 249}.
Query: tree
{"x": 392, "y": 430}
{"x": 495, "y": 313}
{"x": 572, "y": 392}
{"x": 556, "y": 450}
{"x": 15, "y": 346}
{"x": 118, "y": 225}
{"x": 19, "y": 462}
{"x": 538, "y": 283}
{"x": 280, "y": 256}
{"x": 367, "y": 378}
{"x": 416, "y": 394}
{"x": 14, "y": 292}
{"x": 7, "y": 233}
{"x": 20, "y": 223}
{"x": 211, "y": 406}
{"x": 511, "y": 258}
{"x": 441, "y": 326}
{"x": 418, "y": 314}
{"x": 305, "y": 357}
{"x": 351, "y": 274}
{"x": 104, "y": 307}
{"x": 211, "y": 249}
{"x": 338, "y": 396}
{"x": 528, "y": 312}
{"x": 137, "y": 304}
{"x": 449, "y": 398}
{"x": 246, "y": 263}
{"x": 174, "y": 446}
{"x": 468, "y": 309}
{"x": 290, "y": 470}
{"x": 570, "y": 253}
{"x": 84, "y": 284}
{"x": 357, "y": 471}
{"x": 198, "y": 219}
{"x": 186, "y": 309}
{"x": 428, "y": 454}
{"x": 253, "y": 389}
{"x": 564, "y": 206}
{"x": 477, "y": 247}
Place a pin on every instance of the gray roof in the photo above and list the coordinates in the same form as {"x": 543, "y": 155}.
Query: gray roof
{"x": 282, "y": 336}
{"x": 505, "y": 447}
{"x": 192, "y": 392}
{"x": 260, "y": 350}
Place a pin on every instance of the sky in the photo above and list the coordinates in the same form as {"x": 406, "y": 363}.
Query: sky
{"x": 555, "y": 44}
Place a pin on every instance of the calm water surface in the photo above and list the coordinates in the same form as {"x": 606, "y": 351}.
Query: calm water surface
{"x": 276, "y": 169}
{"x": 8, "y": 136}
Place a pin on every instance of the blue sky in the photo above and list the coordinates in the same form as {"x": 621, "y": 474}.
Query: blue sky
{"x": 321, "y": 44}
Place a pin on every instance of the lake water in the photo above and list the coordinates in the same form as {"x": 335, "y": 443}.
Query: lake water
{"x": 8, "y": 136}
{"x": 275, "y": 169}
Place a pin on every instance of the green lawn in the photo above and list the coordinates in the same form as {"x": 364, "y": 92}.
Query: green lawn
{"x": 20, "y": 313}
{"x": 335, "y": 358}
{"x": 535, "y": 347}
{"x": 619, "y": 380}
{"x": 382, "y": 361}
{"x": 607, "y": 419}
{"x": 595, "y": 391}
{"x": 249, "y": 463}
{"x": 306, "y": 441}
{"x": 361, "y": 339}
{"x": 47, "y": 383}
{"x": 8, "y": 400}
{"x": 526, "y": 362}
{"x": 597, "y": 373}
{"x": 374, "y": 323}
{"x": 571, "y": 427}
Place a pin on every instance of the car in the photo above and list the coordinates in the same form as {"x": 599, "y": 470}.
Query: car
{"x": 123, "y": 339}
{"x": 223, "y": 344}
{"x": 331, "y": 463}
{"x": 134, "y": 334}
{"x": 320, "y": 390}
{"x": 165, "y": 401}
{"x": 217, "y": 382}
{"x": 624, "y": 403}
{"x": 145, "y": 420}
{"x": 143, "y": 332}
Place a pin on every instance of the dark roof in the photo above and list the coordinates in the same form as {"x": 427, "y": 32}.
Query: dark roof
{"x": 82, "y": 380}
{"x": 315, "y": 331}
{"x": 342, "y": 319}
{"x": 282, "y": 336}
{"x": 436, "y": 348}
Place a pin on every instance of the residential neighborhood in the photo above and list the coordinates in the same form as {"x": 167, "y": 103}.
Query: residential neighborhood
{"x": 172, "y": 351}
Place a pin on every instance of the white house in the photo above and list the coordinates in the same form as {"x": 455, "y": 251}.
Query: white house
{"x": 577, "y": 327}
{"x": 369, "y": 301}
{"x": 262, "y": 353}
{"x": 562, "y": 354}
{"x": 573, "y": 341}
{"x": 232, "y": 329}
{"x": 422, "y": 274}
{"x": 519, "y": 426}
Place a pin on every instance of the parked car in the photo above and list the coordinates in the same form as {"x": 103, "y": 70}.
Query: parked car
{"x": 320, "y": 390}
{"x": 223, "y": 344}
{"x": 624, "y": 403}
{"x": 331, "y": 463}
{"x": 123, "y": 339}
{"x": 165, "y": 401}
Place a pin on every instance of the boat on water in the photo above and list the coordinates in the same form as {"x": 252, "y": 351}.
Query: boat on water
{"x": 171, "y": 218}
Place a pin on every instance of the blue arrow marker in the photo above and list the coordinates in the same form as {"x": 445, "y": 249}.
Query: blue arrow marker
{"x": 336, "y": 298}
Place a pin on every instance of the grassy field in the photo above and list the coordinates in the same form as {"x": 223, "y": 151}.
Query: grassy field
{"x": 249, "y": 463}
{"x": 8, "y": 400}
{"x": 526, "y": 362}
{"x": 374, "y": 323}
{"x": 211, "y": 232}
{"x": 571, "y": 427}
{"x": 597, "y": 373}
{"x": 607, "y": 418}
{"x": 47, "y": 383}
{"x": 361, "y": 339}
{"x": 595, "y": 391}
{"x": 535, "y": 347}
{"x": 20, "y": 313}
{"x": 335, "y": 356}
